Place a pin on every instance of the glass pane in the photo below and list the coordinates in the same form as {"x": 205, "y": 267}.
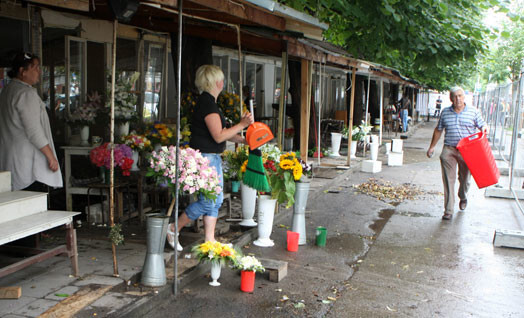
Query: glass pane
{"x": 233, "y": 86}
{"x": 153, "y": 82}
{"x": 76, "y": 89}
{"x": 278, "y": 81}
{"x": 221, "y": 61}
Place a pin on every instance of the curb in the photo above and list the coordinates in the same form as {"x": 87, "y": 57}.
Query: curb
{"x": 144, "y": 305}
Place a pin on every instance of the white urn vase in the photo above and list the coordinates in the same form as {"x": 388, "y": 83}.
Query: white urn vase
{"x": 216, "y": 268}
{"x": 353, "y": 150}
{"x": 135, "y": 157}
{"x": 335, "y": 144}
{"x": 266, "y": 212}
{"x": 249, "y": 200}
{"x": 84, "y": 136}
{"x": 123, "y": 129}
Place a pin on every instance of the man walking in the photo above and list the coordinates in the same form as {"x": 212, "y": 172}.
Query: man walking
{"x": 438, "y": 106}
{"x": 458, "y": 121}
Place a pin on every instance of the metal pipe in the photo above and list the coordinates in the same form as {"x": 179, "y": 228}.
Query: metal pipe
{"x": 179, "y": 88}
{"x": 112, "y": 144}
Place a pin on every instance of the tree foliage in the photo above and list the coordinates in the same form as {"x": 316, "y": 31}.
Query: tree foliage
{"x": 504, "y": 60}
{"x": 435, "y": 42}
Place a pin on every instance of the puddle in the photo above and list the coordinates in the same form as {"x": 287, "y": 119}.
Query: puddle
{"x": 379, "y": 224}
{"x": 414, "y": 214}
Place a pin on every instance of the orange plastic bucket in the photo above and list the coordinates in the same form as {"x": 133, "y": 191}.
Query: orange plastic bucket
{"x": 247, "y": 281}
{"x": 292, "y": 241}
{"x": 477, "y": 154}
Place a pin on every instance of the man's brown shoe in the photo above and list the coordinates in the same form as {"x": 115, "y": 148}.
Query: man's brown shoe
{"x": 463, "y": 204}
{"x": 447, "y": 216}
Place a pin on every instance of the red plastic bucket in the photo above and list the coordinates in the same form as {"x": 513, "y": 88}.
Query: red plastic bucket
{"x": 477, "y": 154}
{"x": 247, "y": 281}
{"x": 292, "y": 241}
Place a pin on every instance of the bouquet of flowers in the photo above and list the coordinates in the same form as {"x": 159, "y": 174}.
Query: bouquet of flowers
{"x": 101, "y": 157}
{"x": 282, "y": 178}
{"x": 85, "y": 115}
{"x": 188, "y": 102}
{"x": 137, "y": 142}
{"x": 215, "y": 252}
{"x": 195, "y": 175}
{"x": 249, "y": 263}
{"x": 307, "y": 170}
{"x": 271, "y": 152}
{"x": 229, "y": 103}
{"x": 125, "y": 98}
{"x": 159, "y": 133}
{"x": 234, "y": 161}
{"x": 289, "y": 132}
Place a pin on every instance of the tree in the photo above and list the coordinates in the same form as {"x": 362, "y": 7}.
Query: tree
{"x": 434, "y": 42}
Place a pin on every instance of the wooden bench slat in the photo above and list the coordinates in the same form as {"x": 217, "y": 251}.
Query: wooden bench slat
{"x": 16, "y": 204}
{"x": 33, "y": 224}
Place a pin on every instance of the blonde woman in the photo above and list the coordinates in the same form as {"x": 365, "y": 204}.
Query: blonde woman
{"x": 209, "y": 135}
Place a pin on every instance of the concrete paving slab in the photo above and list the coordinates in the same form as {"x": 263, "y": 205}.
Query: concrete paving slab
{"x": 100, "y": 280}
{"x": 113, "y": 301}
{"x": 35, "y": 308}
{"x": 10, "y": 305}
{"x": 68, "y": 290}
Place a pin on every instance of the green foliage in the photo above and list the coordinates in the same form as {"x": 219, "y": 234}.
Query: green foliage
{"x": 434, "y": 42}
{"x": 115, "y": 234}
{"x": 283, "y": 187}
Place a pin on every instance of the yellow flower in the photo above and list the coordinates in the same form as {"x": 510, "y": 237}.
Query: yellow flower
{"x": 297, "y": 172}
{"x": 244, "y": 167}
{"x": 286, "y": 164}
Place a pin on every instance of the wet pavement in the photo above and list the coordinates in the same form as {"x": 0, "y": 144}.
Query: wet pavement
{"x": 382, "y": 259}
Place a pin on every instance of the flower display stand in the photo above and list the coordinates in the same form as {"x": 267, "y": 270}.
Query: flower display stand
{"x": 247, "y": 281}
{"x": 216, "y": 268}
{"x": 299, "y": 211}
{"x": 249, "y": 198}
{"x": 336, "y": 138}
{"x": 154, "y": 272}
{"x": 266, "y": 212}
{"x": 84, "y": 136}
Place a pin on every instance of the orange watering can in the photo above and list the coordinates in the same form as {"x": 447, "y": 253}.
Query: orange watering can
{"x": 257, "y": 133}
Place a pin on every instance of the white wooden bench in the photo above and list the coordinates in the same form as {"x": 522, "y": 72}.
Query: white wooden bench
{"x": 24, "y": 213}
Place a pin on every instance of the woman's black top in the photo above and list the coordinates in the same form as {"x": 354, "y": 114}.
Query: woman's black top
{"x": 201, "y": 138}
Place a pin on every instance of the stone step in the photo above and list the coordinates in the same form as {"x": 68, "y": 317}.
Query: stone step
{"x": 5, "y": 181}
{"x": 17, "y": 204}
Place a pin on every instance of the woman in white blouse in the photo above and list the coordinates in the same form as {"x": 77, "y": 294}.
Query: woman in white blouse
{"x": 26, "y": 143}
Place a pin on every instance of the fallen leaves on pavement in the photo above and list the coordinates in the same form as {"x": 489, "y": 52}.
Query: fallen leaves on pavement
{"x": 388, "y": 192}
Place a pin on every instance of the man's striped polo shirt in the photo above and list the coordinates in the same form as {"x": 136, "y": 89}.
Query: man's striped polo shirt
{"x": 459, "y": 125}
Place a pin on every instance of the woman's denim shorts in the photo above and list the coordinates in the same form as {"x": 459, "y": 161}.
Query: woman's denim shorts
{"x": 204, "y": 206}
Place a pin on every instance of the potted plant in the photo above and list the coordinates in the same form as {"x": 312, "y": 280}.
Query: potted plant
{"x": 125, "y": 102}
{"x": 101, "y": 157}
{"x": 301, "y": 195}
{"x": 160, "y": 135}
{"x": 195, "y": 177}
{"x": 85, "y": 115}
{"x": 248, "y": 266}
{"x": 229, "y": 103}
{"x": 138, "y": 143}
{"x": 281, "y": 176}
{"x": 217, "y": 254}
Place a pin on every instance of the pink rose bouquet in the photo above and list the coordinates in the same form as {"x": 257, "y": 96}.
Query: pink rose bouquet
{"x": 195, "y": 175}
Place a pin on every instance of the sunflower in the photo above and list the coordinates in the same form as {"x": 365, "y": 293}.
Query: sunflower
{"x": 286, "y": 164}
{"x": 297, "y": 172}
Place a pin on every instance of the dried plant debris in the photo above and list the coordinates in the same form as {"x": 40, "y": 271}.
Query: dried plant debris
{"x": 388, "y": 192}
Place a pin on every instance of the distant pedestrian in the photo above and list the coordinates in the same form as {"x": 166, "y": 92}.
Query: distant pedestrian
{"x": 438, "y": 107}
{"x": 405, "y": 104}
{"x": 458, "y": 121}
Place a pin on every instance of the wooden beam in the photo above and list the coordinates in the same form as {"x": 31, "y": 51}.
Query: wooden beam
{"x": 14, "y": 292}
{"x": 305, "y": 104}
{"x": 351, "y": 107}
{"x": 78, "y": 5}
{"x": 217, "y": 9}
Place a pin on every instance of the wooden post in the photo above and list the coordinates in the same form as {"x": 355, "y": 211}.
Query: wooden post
{"x": 381, "y": 110}
{"x": 351, "y": 107}
{"x": 112, "y": 143}
{"x": 283, "y": 100}
{"x": 305, "y": 104}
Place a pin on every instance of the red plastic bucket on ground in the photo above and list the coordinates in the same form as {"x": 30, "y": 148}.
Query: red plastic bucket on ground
{"x": 477, "y": 154}
{"x": 247, "y": 281}
{"x": 292, "y": 241}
